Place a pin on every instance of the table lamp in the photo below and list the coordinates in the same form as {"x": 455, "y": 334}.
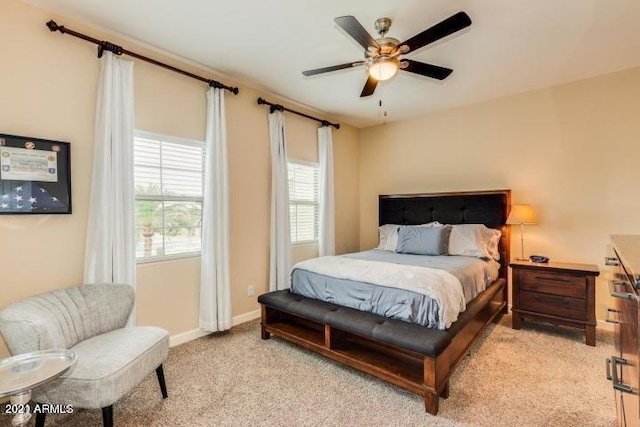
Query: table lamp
{"x": 522, "y": 214}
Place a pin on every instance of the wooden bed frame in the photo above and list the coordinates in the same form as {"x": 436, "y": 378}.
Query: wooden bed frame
{"x": 419, "y": 373}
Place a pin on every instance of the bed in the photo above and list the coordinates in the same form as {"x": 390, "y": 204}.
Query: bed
{"x": 401, "y": 351}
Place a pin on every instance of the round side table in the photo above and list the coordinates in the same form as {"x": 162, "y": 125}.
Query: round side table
{"x": 21, "y": 373}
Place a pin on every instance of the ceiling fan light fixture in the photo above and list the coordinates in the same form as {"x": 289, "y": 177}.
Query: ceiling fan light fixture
{"x": 382, "y": 56}
{"x": 383, "y": 68}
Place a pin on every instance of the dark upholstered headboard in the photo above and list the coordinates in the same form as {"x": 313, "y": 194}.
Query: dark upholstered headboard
{"x": 490, "y": 208}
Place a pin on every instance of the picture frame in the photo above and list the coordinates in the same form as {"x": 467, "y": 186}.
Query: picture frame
{"x": 35, "y": 176}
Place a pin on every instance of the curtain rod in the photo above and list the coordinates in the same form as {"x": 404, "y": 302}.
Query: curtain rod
{"x": 278, "y": 107}
{"x": 119, "y": 50}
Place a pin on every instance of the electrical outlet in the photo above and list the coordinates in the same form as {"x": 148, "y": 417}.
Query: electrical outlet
{"x": 250, "y": 290}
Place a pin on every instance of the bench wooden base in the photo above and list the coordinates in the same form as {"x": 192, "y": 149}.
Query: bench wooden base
{"x": 418, "y": 373}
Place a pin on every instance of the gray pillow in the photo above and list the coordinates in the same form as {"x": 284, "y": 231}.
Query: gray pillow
{"x": 424, "y": 240}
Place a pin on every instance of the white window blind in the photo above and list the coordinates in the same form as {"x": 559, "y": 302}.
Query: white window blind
{"x": 303, "y": 201}
{"x": 169, "y": 176}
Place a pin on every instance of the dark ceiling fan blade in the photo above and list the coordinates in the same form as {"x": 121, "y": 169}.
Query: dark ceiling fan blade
{"x": 369, "y": 87}
{"x": 449, "y": 26}
{"x": 353, "y": 27}
{"x": 428, "y": 70}
{"x": 332, "y": 68}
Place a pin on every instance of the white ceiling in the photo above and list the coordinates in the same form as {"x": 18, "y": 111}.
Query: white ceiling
{"x": 512, "y": 46}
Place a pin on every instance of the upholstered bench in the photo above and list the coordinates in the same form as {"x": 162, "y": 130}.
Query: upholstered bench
{"x": 417, "y": 338}
{"x": 422, "y": 340}
{"x": 90, "y": 320}
{"x": 411, "y": 356}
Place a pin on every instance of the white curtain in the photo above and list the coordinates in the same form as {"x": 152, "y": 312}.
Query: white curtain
{"x": 280, "y": 254}
{"x": 215, "y": 283}
{"x": 327, "y": 244}
{"x": 110, "y": 255}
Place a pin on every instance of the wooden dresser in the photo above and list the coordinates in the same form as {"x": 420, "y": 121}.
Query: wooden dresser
{"x": 622, "y": 366}
{"x": 561, "y": 293}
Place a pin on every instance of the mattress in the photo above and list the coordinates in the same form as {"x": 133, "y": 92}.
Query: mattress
{"x": 414, "y": 305}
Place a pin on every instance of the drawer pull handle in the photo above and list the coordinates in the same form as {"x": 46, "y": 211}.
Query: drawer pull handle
{"x": 608, "y": 367}
{"x": 613, "y": 375}
{"x": 609, "y": 319}
{"x": 619, "y": 277}
{"x": 552, "y": 279}
{"x": 616, "y": 294}
{"x": 612, "y": 261}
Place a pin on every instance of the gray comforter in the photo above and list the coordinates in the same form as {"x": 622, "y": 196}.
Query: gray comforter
{"x": 474, "y": 275}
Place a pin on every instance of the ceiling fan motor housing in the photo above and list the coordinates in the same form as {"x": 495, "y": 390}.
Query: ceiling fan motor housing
{"x": 387, "y": 46}
{"x": 382, "y": 25}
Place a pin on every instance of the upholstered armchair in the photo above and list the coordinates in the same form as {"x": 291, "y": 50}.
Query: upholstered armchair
{"x": 90, "y": 320}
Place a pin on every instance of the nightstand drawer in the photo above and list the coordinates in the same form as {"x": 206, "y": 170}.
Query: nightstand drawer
{"x": 554, "y": 305}
{"x": 553, "y": 283}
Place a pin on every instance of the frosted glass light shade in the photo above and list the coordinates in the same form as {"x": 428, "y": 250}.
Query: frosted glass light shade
{"x": 383, "y": 69}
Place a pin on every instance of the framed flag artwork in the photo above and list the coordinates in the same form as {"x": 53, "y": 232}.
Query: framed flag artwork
{"x": 35, "y": 176}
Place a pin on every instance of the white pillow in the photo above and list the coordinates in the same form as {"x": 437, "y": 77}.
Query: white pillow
{"x": 388, "y": 237}
{"x": 474, "y": 240}
{"x": 431, "y": 224}
{"x": 493, "y": 242}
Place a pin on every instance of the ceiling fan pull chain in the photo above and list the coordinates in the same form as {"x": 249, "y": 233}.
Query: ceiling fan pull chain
{"x": 385, "y": 112}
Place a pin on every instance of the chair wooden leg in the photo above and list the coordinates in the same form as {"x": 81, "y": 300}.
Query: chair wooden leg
{"x": 163, "y": 386}
{"x": 40, "y": 417}
{"x": 107, "y": 416}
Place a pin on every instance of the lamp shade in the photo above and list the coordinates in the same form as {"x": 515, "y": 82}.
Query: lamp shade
{"x": 522, "y": 214}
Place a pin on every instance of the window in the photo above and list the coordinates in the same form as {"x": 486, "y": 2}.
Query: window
{"x": 169, "y": 177}
{"x": 303, "y": 201}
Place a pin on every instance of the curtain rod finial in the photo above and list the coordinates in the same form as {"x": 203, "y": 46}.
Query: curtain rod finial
{"x": 53, "y": 26}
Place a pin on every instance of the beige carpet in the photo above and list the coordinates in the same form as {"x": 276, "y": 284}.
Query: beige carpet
{"x": 538, "y": 376}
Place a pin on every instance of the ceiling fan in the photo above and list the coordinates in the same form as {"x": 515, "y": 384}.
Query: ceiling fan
{"x": 382, "y": 55}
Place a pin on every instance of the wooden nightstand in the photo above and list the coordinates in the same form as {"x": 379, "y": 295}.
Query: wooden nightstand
{"x": 559, "y": 292}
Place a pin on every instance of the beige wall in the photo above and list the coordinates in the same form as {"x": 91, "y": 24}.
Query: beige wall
{"x": 48, "y": 85}
{"x": 568, "y": 150}
{"x": 571, "y": 151}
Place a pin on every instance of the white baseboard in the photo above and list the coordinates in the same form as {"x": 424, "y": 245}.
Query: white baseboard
{"x": 247, "y": 317}
{"x": 186, "y": 337}
{"x": 198, "y": 333}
